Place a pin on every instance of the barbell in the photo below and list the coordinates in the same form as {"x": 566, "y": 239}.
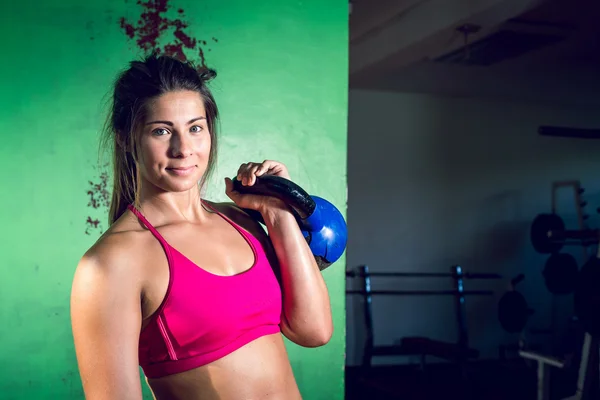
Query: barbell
{"x": 457, "y": 274}
{"x": 322, "y": 224}
{"x": 512, "y": 309}
{"x": 548, "y": 234}
{"x": 465, "y": 275}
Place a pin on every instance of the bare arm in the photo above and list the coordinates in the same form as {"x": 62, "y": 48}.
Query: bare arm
{"x": 306, "y": 315}
{"x": 106, "y": 320}
{"x": 306, "y": 318}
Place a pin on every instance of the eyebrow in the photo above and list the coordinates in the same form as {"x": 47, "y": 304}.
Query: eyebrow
{"x": 191, "y": 121}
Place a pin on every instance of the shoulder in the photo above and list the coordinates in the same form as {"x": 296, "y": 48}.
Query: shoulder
{"x": 106, "y": 314}
{"x": 114, "y": 257}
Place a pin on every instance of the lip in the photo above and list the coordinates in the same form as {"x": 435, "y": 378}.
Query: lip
{"x": 181, "y": 171}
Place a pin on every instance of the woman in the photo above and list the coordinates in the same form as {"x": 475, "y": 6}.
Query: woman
{"x": 192, "y": 291}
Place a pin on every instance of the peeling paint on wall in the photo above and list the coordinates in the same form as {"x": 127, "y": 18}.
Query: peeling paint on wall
{"x": 154, "y": 25}
{"x": 98, "y": 197}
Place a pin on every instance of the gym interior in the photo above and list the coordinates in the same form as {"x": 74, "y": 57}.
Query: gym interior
{"x": 473, "y": 200}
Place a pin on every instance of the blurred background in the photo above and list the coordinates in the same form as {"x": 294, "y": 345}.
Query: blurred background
{"x": 466, "y": 120}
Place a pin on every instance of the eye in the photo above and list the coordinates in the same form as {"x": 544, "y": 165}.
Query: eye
{"x": 160, "y": 132}
{"x": 196, "y": 128}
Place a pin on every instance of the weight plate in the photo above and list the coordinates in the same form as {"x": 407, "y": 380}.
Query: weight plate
{"x": 513, "y": 312}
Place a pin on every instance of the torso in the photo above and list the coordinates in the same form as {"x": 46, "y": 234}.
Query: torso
{"x": 258, "y": 370}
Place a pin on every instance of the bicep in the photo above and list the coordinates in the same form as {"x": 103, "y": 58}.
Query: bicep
{"x": 106, "y": 320}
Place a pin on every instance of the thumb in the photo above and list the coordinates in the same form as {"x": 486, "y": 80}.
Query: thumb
{"x": 229, "y": 189}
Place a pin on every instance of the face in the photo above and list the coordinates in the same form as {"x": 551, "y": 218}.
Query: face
{"x": 175, "y": 142}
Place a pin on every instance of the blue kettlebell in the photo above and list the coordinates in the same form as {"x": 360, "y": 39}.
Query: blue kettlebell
{"x": 321, "y": 223}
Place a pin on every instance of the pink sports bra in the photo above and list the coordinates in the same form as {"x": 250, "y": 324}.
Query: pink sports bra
{"x": 203, "y": 316}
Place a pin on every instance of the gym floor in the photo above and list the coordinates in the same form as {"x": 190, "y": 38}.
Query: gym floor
{"x": 484, "y": 380}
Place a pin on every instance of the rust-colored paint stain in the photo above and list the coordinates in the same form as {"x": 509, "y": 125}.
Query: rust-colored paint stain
{"x": 98, "y": 196}
{"x": 91, "y": 224}
{"x": 98, "y": 192}
{"x": 153, "y": 24}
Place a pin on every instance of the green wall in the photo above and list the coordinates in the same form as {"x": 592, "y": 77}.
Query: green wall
{"x": 282, "y": 90}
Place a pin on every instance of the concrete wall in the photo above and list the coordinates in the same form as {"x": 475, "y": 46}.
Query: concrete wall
{"x": 435, "y": 181}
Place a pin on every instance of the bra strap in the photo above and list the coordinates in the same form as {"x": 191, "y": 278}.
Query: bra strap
{"x": 147, "y": 224}
{"x": 231, "y": 222}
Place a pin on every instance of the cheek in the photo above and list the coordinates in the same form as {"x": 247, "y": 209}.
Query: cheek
{"x": 151, "y": 152}
{"x": 204, "y": 144}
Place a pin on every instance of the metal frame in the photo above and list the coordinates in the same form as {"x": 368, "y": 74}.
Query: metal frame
{"x": 457, "y": 274}
{"x": 583, "y": 388}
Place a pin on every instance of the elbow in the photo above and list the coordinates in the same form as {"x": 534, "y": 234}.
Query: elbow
{"x": 308, "y": 332}
{"x": 320, "y": 338}
{"x": 316, "y": 337}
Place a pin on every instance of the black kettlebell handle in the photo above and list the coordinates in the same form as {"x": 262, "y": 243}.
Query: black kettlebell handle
{"x": 283, "y": 189}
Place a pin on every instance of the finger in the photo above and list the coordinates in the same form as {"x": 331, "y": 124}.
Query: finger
{"x": 267, "y": 167}
{"x": 243, "y": 173}
{"x": 240, "y": 171}
{"x": 247, "y": 173}
{"x": 228, "y": 185}
{"x": 260, "y": 169}
{"x": 264, "y": 168}
{"x": 229, "y": 190}
{"x": 276, "y": 168}
{"x": 253, "y": 173}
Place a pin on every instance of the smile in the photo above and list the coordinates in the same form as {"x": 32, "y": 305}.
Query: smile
{"x": 182, "y": 171}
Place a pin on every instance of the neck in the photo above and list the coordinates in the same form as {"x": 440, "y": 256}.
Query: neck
{"x": 168, "y": 207}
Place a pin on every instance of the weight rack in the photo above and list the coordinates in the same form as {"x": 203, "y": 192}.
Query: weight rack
{"x": 458, "y": 352}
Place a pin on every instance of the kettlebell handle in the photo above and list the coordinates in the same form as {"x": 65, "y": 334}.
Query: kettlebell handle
{"x": 321, "y": 223}
{"x": 302, "y": 204}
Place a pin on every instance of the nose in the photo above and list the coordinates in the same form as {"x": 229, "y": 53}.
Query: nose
{"x": 181, "y": 146}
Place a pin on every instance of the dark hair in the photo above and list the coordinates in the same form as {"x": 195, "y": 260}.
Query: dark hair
{"x": 134, "y": 89}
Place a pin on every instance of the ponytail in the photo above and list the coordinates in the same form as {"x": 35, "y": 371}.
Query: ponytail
{"x": 124, "y": 184}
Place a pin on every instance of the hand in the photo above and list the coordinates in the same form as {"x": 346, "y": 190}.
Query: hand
{"x": 247, "y": 174}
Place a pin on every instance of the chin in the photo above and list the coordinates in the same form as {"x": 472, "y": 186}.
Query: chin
{"x": 179, "y": 188}
{"x": 179, "y": 185}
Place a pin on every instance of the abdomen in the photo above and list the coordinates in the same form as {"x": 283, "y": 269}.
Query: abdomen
{"x": 260, "y": 369}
